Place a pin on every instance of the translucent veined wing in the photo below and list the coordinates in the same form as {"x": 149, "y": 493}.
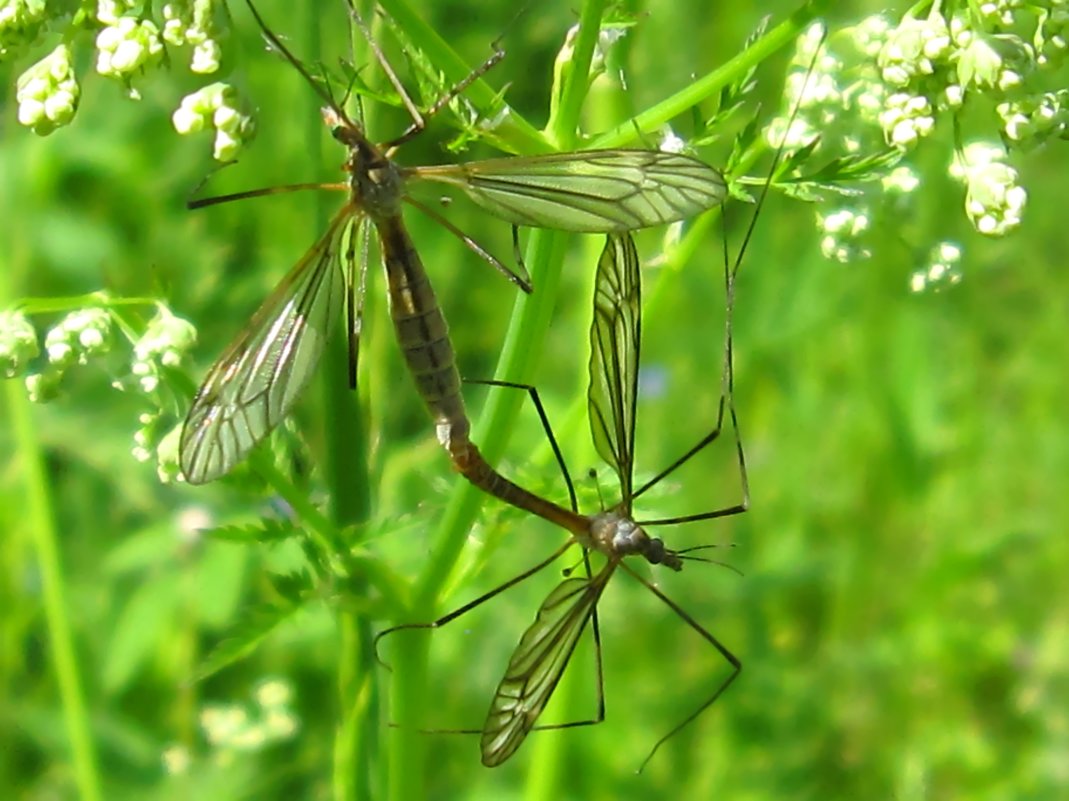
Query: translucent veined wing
{"x": 356, "y": 286}
{"x": 593, "y": 191}
{"x": 253, "y": 385}
{"x": 615, "y": 338}
{"x": 538, "y": 663}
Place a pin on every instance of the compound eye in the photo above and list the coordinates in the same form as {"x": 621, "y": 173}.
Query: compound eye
{"x": 655, "y": 551}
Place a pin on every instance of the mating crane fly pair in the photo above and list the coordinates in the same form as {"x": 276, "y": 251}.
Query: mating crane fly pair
{"x": 255, "y": 383}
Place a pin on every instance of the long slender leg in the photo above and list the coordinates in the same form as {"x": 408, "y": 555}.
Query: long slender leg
{"x": 727, "y": 401}
{"x": 451, "y": 616}
{"x": 520, "y": 278}
{"x": 712, "y": 640}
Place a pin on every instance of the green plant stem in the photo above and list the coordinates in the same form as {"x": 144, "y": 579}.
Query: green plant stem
{"x": 344, "y": 468}
{"x": 39, "y": 518}
{"x": 520, "y": 356}
{"x": 564, "y": 126}
{"x": 513, "y": 130}
{"x": 37, "y": 515}
{"x": 713, "y": 82}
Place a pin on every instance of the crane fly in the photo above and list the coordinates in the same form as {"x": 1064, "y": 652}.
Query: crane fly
{"x": 545, "y": 648}
{"x": 254, "y": 384}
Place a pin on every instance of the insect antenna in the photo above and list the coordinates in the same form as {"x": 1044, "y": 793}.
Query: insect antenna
{"x": 419, "y": 119}
{"x": 275, "y": 42}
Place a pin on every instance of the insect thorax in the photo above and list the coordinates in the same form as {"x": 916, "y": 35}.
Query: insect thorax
{"x": 376, "y": 183}
{"x": 617, "y": 536}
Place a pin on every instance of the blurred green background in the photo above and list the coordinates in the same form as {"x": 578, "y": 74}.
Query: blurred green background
{"x": 900, "y": 618}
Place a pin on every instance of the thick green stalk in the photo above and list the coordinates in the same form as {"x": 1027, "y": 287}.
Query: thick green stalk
{"x": 520, "y": 356}
{"x": 710, "y": 84}
{"x": 514, "y": 130}
{"x": 344, "y": 469}
{"x": 564, "y": 126}
{"x": 38, "y": 515}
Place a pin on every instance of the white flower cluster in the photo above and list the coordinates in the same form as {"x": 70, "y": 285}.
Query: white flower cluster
{"x": 906, "y": 118}
{"x": 1032, "y": 120}
{"x": 48, "y": 93}
{"x": 193, "y": 22}
{"x": 1052, "y": 34}
{"x": 913, "y": 50}
{"x": 144, "y": 436}
{"x": 79, "y": 336}
{"x": 230, "y": 727}
{"x": 165, "y": 342}
{"x": 912, "y": 59}
{"x": 20, "y": 23}
{"x": 997, "y": 61}
{"x": 902, "y": 180}
{"x": 931, "y": 63}
{"x": 176, "y": 760}
{"x": 1000, "y": 11}
{"x": 87, "y": 334}
{"x": 780, "y": 134}
{"x": 993, "y": 199}
{"x": 943, "y": 269}
{"x": 216, "y": 106}
{"x": 18, "y": 343}
{"x": 869, "y": 35}
{"x": 154, "y": 438}
{"x": 814, "y": 97}
{"x": 168, "y": 465}
{"x": 842, "y": 233}
{"x": 129, "y": 42}
{"x": 126, "y": 46}
{"x": 907, "y": 75}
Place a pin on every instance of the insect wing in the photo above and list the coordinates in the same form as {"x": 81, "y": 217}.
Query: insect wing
{"x": 594, "y": 191}
{"x": 253, "y": 385}
{"x": 615, "y": 338}
{"x": 356, "y": 285}
{"x": 537, "y": 665}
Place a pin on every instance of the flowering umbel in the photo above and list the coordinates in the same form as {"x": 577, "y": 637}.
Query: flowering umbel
{"x": 133, "y": 41}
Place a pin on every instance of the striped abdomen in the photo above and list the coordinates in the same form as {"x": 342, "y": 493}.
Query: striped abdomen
{"x": 423, "y": 333}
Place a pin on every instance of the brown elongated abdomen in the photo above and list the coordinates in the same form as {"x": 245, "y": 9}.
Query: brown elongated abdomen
{"x": 423, "y": 335}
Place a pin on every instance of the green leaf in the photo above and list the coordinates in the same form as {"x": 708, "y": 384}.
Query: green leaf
{"x": 857, "y": 167}
{"x": 144, "y": 623}
{"x": 263, "y": 531}
{"x": 219, "y": 583}
{"x": 258, "y": 622}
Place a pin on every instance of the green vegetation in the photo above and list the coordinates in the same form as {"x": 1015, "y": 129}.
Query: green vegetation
{"x": 899, "y": 617}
